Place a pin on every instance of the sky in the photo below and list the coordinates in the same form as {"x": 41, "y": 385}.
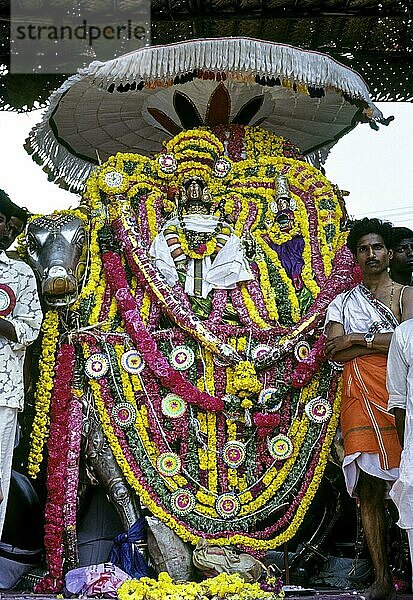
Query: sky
{"x": 374, "y": 166}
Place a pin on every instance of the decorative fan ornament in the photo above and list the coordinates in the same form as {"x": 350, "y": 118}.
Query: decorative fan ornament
{"x": 182, "y": 358}
{"x": 280, "y": 447}
{"x": 132, "y": 362}
{"x": 168, "y": 464}
{"x": 124, "y": 414}
{"x": 173, "y": 406}
{"x": 227, "y": 505}
{"x": 97, "y": 366}
{"x": 233, "y": 454}
{"x": 318, "y": 410}
{"x": 182, "y": 502}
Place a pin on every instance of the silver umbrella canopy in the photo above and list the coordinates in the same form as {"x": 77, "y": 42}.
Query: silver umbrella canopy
{"x": 135, "y": 102}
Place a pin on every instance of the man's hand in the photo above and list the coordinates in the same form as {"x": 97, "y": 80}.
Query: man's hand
{"x": 7, "y": 330}
{"x": 337, "y": 344}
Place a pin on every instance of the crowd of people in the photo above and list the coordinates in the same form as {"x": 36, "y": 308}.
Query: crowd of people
{"x": 369, "y": 330}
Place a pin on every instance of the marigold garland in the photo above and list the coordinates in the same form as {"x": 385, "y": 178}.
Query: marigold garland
{"x": 43, "y": 392}
{"x": 223, "y": 586}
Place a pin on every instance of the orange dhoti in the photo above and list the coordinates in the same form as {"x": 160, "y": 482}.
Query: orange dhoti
{"x": 366, "y": 424}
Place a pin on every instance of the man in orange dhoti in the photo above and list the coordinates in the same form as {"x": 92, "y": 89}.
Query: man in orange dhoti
{"x": 359, "y": 326}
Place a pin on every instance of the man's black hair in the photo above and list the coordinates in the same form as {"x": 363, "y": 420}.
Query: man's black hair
{"x": 21, "y": 213}
{"x": 364, "y": 227}
{"x": 6, "y": 205}
{"x": 9, "y": 209}
{"x": 401, "y": 233}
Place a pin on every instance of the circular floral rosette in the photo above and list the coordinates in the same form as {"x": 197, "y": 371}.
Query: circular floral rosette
{"x": 260, "y": 351}
{"x": 173, "y": 406}
{"x": 222, "y": 167}
{"x": 302, "y": 351}
{"x": 132, "y": 362}
{"x": 168, "y": 464}
{"x": 280, "y": 447}
{"x": 167, "y": 163}
{"x": 96, "y": 366}
{"x": 318, "y": 410}
{"x": 7, "y": 300}
{"x": 227, "y": 505}
{"x": 124, "y": 414}
{"x": 113, "y": 181}
{"x": 233, "y": 454}
{"x": 182, "y": 501}
{"x": 182, "y": 358}
{"x": 266, "y": 397}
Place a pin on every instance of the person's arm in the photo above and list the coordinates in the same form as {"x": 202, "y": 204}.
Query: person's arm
{"x": 7, "y": 330}
{"x": 396, "y": 381}
{"x": 400, "y": 418}
{"x": 27, "y": 314}
{"x": 344, "y": 347}
{"x": 407, "y": 304}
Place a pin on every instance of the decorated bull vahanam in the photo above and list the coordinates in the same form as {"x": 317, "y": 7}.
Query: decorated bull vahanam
{"x": 56, "y": 251}
{"x": 196, "y": 340}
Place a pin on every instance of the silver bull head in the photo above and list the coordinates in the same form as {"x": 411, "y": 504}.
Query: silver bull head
{"x": 56, "y": 249}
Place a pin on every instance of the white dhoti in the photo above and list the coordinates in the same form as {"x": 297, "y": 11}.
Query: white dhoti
{"x": 370, "y": 464}
{"x": 8, "y": 426}
{"x": 400, "y": 386}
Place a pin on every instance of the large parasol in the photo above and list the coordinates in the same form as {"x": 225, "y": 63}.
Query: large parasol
{"x": 135, "y": 102}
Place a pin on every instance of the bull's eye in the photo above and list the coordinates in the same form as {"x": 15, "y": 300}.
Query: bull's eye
{"x": 79, "y": 238}
{"x": 31, "y": 244}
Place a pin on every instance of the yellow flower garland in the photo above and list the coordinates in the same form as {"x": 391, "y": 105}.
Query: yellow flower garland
{"x": 252, "y": 310}
{"x": 223, "y": 586}
{"x": 43, "y": 393}
{"x": 210, "y": 246}
{"x": 273, "y": 256}
{"x": 266, "y": 288}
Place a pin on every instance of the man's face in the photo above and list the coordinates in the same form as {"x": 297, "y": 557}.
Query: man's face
{"x": 402, "y": 260}
{"x": 14, "y": 228}
{"x": 3, "y": 231}
{"x": 372, "y": 254}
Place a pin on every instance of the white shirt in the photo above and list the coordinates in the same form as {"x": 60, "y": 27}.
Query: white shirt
{"x": 400, "y": 387}
{"x": 26, "y": 318}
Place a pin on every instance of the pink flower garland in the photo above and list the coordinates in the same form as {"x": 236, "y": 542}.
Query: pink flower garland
{"x": 266, "y": 423}
{"x": 340, "y": 280}
{"x": 306, "y": 369}
{"x": 145, "y": 343}
{"x": 72, "y": 478}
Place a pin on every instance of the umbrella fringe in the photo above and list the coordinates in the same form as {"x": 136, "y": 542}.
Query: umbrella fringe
{"x": 236, "y": 59}
{"x": 239, "y": 59}
{"x": 66, "y": 170}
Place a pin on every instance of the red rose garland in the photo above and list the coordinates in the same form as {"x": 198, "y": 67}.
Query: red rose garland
{"x": 58, "y": 450}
